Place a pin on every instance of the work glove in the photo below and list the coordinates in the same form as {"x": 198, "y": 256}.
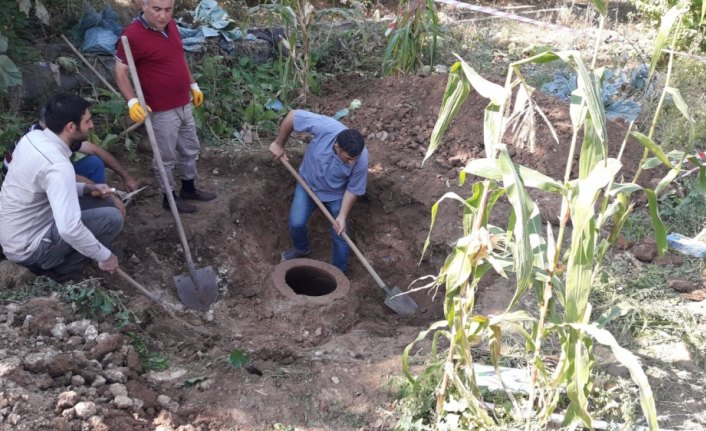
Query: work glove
{"x": 137, "y": 114}
{"x": 196, "y": 94}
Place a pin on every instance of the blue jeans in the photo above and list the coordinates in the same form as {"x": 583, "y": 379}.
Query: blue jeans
{"x": 299, "y": 213}
{"x": 91, "y": 167}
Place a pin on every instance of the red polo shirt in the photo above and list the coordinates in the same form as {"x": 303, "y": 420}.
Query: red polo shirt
{"x": 161, "y": 66}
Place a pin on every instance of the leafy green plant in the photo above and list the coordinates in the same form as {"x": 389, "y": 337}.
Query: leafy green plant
{"x": 594, "y": 203}
{"x": 151, "y": 361}
{"x": 89, "y": 298}
{"x": 9, "y": 73}
{"x": 413, "y": 38}
{"x": 238, "y": 359}
{"x": 237, "y": 91}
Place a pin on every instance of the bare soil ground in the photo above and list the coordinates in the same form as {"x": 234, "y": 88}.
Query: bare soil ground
{"x": 311, "y": 366}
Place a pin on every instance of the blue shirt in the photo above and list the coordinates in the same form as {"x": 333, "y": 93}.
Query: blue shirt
{"x": 327, "y": 175}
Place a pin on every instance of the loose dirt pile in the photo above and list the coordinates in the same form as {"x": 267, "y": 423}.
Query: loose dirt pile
{"x": 311, "y": 366}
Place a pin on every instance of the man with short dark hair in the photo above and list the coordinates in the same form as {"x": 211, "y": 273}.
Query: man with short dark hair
{"x": 42, "y": 226}
{"x": 168, "y": 85}
{"x": 335, "y": 167}
{"x": 90, "y": 169}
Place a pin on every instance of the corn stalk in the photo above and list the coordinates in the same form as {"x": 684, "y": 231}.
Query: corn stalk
{"x": 562, "y": 280}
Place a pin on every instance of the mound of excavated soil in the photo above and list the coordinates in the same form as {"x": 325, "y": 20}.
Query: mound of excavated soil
{"x": 312, "y": 366}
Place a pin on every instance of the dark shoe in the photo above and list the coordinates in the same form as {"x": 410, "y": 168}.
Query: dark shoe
{"x": 197, "y": 195}
{"x": 293, "y": 253}
{"x": 182, "y": 206}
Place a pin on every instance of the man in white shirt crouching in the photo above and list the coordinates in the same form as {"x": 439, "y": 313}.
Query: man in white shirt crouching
{"x": 42, "y": 226}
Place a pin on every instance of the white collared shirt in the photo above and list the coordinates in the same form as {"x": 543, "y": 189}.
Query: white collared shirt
{"x": 39, "y": 190}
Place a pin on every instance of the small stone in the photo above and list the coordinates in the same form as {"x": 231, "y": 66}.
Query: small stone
{"x": 78, "y": 327}
{"x": 115, "y": 375}
{"x": 135, "y": 260}
{"x": 91, "y": 334}
{"x": 682, "y": 286}
{"x": 85, "y": 409}
{"x": 27, "y": 322}
{"x": 59, "y": 331}
{"x": 215, "y": 171}
{"x": 12, "y": 307}
{"x": 137, "y": 404}
{"x": 77, "y": 380}
{"x": 163, "y": 401}
{"x": 117, "y": 389}
{"x": 98, "y": 382}
{"x": 335, "y": 380}
{"x": 69, "y": 413}
{"x": 318, "y": 331}
{"x": 67, "y": 399}
{"x": 123, "y": 402}
{"x": 208, "y": 316}
{"x": 75, "y": 341}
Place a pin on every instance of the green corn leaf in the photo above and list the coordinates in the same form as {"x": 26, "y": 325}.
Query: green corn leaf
{"x": 590, "y": 91}
{"x": 576, "y": 387}
{"x": 660, "y": 231}
{"x": 540, "y": 58}
{"x": 579, "y": 272}
{"x": 601, "y": 5}
{"x": 614, "y": 312}
{"x": 522, "y": 206}
{"x": 490, "y": 169}
{"x": 434, "y": 327}
{"x": 457, "y": 90}
{"x": 592, "y": 149}
{"x": 577, "y": 109}
{"x": 679, "y": 103}
{"x": 669, "y": 20}
{"x": 651, "y": 163}
{"x": 666, "y": 181}
{"x": 492, "y": 128}
{"x": 631, "y": 362}
{"x": 490, "y": 90}
{"x": 652, "y": 146}
{"x": 435, "y": 210}
{"x": 458, "y": 268}
{"x": 628, "y": 188}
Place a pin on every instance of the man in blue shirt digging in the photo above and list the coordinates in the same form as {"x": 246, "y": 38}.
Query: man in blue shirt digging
{"x": 335, "y": 167}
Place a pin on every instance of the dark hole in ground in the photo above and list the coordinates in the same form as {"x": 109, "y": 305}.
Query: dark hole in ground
{"x": 305, "y": 280}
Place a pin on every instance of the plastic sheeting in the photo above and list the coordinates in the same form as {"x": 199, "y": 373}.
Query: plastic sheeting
{"x": 614, "y": 83}
{"x": 213, "y": 22}
{"x": 97, "y": 32}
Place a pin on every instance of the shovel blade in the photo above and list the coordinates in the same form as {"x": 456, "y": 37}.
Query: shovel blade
{"x": 201, "y": 295}
{"x": 400, "y": 302}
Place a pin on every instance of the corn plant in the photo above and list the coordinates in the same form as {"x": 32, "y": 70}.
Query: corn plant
{"x": 298, "y": 17}
{"x": 416, "y": 30}
{"x": 595, "y": 204}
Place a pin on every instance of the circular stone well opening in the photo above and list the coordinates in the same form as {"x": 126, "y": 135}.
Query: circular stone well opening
{"x": 305, "y": 280}
{"x": 310, "y": 280}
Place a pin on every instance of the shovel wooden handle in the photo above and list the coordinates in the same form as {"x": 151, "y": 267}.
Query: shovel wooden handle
{"x": 328, "y": 215}
{"x": 136, "y": 285}
{"x": 160, "y": 163}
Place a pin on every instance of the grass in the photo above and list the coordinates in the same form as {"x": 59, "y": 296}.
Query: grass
{"x": 151, "y": 361}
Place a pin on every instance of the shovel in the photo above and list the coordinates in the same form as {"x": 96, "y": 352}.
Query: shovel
{"x": 198, "y": 288}
{"x": 397, "y": 300}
